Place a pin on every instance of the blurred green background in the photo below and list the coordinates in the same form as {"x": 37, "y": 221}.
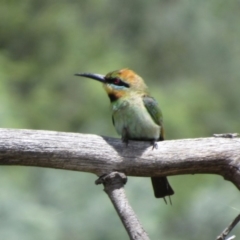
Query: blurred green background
{"x": 188, "y": 52}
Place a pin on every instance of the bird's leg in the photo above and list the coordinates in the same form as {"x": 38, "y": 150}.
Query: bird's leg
{"x": 154, "y": 144}
{"x": 125, "y": 136}
{"x": 125, "y": 140}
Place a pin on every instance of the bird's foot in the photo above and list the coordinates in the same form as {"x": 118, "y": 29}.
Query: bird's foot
{"x": 154, "y": 144}
{"x": 125, "y": 140}
{"x": 125, "y": 136}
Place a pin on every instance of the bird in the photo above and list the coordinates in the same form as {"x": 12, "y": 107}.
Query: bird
{"x": 135, "y": 114}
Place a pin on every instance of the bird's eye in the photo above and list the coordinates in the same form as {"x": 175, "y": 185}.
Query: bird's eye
{"x": 116, "y": 81}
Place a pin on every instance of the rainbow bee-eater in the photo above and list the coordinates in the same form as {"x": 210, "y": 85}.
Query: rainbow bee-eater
{"x": 135, "y": 115}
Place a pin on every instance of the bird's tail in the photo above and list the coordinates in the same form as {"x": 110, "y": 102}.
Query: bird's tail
{"x": 161, "y": 187}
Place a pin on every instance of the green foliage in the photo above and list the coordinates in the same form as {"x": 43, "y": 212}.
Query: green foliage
{"x": 188, "y": 54}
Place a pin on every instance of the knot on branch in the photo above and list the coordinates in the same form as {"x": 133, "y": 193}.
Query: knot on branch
{"x": 114, "y": 179}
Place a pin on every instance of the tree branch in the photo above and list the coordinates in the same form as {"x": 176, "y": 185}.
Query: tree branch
{"x": 226, "y": 231}
{"x": 114, "y": 187}
{"x": 101, "y": 155}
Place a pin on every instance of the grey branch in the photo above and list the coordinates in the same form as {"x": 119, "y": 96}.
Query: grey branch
{"x": 226, "y": 231}
{"x": 102, "y": 155}
{"x": 114, "y": 187}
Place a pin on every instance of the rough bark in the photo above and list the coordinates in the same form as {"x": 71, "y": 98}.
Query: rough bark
{"x": 114, "y": 187}
{"x": 101, "y": 155}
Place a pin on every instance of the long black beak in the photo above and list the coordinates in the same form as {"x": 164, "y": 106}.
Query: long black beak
{"x": 98, "y": 77}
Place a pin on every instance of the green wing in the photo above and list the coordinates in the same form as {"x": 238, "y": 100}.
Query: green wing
{"x": 155, "y": 112}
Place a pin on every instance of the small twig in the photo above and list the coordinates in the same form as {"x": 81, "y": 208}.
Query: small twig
{"x": 226, "y": 135}
{"x": 114, "y": 187}
{"x": 226, "y": 231}
{"x": 232, "y": 237}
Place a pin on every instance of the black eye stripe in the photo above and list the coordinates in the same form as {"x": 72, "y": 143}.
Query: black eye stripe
{"x": 117, "y": 82}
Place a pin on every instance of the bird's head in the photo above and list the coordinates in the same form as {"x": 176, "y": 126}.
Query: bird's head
{"x": 119, "y": 83}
